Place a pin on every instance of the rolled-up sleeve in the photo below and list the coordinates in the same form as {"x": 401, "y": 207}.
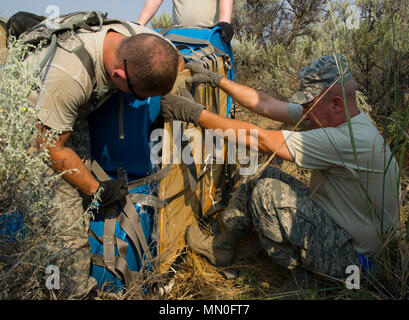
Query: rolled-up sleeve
{"x": 313, "y": 149}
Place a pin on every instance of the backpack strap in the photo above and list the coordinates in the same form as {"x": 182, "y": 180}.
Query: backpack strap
{"x": 86, "y": 59}
{"x": 120, "y": 262}
{"x": 48, "y": 54}
{"x": 127, "y": 26}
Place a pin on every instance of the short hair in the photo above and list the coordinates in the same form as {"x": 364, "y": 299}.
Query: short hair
{"x": 152, "y": 62}
{"x": 349, "y": 87}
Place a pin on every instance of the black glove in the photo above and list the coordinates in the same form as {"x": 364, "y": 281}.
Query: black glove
{"x": 113, "y": 195}
{"x": 203, "y": 75}
{"x": 184, "y": 108}
{"x": 227, "y": 31}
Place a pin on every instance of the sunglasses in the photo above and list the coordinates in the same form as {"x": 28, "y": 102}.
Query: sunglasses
{"x": 138, "y": 97}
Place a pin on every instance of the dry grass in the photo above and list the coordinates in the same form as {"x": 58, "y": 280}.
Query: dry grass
{"x": 193, "y": 278}
{"x": 259, "y": 277}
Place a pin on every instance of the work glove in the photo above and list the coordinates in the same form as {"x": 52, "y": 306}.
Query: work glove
{"x": 227, "y": 31}
{"x": 112, "y": 197}
{"x": 183, "y": 108}
{"x": 202, "y": 75}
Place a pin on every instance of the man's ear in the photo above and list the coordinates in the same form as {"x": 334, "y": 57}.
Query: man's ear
{"x": 118, "y": 73}
{"x": 338, "y": 104}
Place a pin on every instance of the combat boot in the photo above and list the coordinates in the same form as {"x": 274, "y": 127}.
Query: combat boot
{"x": 219, "y": 249}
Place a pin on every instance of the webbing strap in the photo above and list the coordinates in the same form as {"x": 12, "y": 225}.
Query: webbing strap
{"x": 192, "y": 176}
{"x": 202, "y": 173}
{"x": 85, "y": 26}
{"x": 92, "y": 234}
{"x": 122, "y": 266}
{"x": 214, "y": 208}
{"x": 156, "y": 177}
{"x": 130, "y": 224}
{"x": 127, "y": 26}
{"x": 191, "y": 167}
{"x": 147, "y": 200}
{"x": 216, "y": 90}
{"x": 86, "y": 59}
{"x": 98, "y": 171}
{"x": 191, "y": 172}
{"x": 128, "y": 275}
{"x": 126, "y": 225}
{"x": 184, "y": 39}
{"x": 98, "y": 260}
{"x": 135, "y": 220}
{"x": 109, "y": 245}
{"x": 121, "y": 263}
{"x": 216, "y": 99}
{"x": 196, "y": 56}
{"x": 155, "y": 202}
{"x": 122, "y": 247}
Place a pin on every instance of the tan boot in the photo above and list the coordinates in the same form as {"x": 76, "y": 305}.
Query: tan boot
{"x": 219, "y": 249}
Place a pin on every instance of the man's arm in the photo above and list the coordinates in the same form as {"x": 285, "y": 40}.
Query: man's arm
{"x": 258, "y": 102}
{"x": 267, "y": 141}
{"x": 63, "y": 158}
{"x": 149, "y": 10}
{"x": 225, "y": 13}
{"x": 254, "y": 100}
{"x": 225, "y": 10}
{"x": 186, "y": 109}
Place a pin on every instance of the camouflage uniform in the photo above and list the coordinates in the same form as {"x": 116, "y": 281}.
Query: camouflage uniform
{"x": 72, "y": 246}
{"x": 292, "y": 228}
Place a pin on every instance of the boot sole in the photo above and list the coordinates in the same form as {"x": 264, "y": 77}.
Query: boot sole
{"x": 206, "y": 255}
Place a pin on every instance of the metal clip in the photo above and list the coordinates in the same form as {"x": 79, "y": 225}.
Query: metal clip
{"x": 227, "y": 62}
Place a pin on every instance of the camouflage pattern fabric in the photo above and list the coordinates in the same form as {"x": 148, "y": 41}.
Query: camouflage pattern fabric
{"x": 319, "y": 75}
{"x": 291, "y": 227}
{"x": 71, "y": 246}
{"x": 235, "y": 216}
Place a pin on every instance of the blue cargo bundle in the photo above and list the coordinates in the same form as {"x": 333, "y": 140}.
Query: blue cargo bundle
{"x": 120, "y": 131}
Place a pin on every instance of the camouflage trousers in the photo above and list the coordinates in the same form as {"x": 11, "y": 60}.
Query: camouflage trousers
{"x": 291, "y": 227}
{"x": 71, "y": 246}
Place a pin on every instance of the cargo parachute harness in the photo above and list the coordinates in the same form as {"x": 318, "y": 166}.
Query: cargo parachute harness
{"x": 164, "y": 196}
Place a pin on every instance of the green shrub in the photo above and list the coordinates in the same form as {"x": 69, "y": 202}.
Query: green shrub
{"x": 26, "y": 182}
{"x": 163, "y": 21}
